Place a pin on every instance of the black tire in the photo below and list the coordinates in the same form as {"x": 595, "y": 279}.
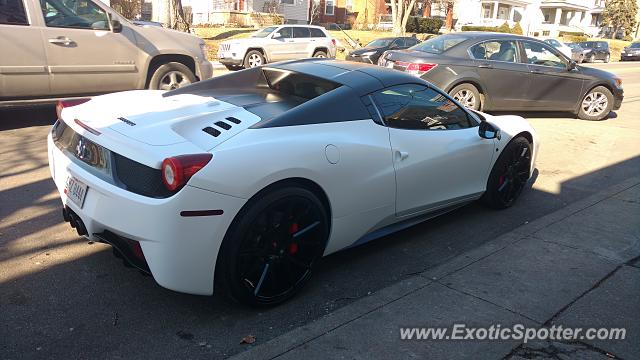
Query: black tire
{"x": 320, "y": 54}
{"x": 253, "y": 59}
{"x": 170, "y": 76}
{"x": 592, "y": 58}
{"x": 595, "y": 115}
{"x": 468, "y": 95}
{"x": 263, "y": 261}
{"x": 509, "y": 175}
{"x": 607, "y": 58}
{"x": 581, "y": 59}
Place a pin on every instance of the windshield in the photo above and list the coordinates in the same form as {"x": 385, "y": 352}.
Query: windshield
{"x": 440, "y": 44}
{"x": 264, "y": 32}
{"x": 587, "y": 45}
{"x": 575, "y": 46}
{"x": 379, "y": 43}
{"x": 635, "y": 45}
{"x": 553, "y": 42}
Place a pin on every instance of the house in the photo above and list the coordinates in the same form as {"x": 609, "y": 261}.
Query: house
{"x": 347, "y": 13}
{"x": 239, "y": 11}
{"x": 545, "y": 18}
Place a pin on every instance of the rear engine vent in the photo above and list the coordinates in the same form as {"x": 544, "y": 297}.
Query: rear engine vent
{"x": 234, "y": 120}
{"x": 211, "y": 131}
{"x": 223, "y": 125}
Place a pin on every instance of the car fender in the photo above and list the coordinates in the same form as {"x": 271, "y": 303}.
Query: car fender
{"x": 512, "y": 126}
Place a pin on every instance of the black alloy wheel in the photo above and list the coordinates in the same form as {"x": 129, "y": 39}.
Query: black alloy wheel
{"x": 273, "y": 247}
{"x": 509, "y": 175}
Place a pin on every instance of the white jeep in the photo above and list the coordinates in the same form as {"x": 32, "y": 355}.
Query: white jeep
{"x": 277, "y": 43}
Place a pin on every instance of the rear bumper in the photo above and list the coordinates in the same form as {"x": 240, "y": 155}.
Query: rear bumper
{"x": 204, "y": 70}
{"x": 180, "y": 251}
{"x": 630, "y": 57}
{"x": 230, "y": 62}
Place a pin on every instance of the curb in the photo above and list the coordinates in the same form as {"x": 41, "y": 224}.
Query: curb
{"x": 300, "y": 336}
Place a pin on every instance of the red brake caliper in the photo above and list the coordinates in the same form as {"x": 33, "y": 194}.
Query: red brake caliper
{"x": 293, "y": 247}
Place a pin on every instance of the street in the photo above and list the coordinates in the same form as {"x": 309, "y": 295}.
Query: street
{"x": 64, "y": 297}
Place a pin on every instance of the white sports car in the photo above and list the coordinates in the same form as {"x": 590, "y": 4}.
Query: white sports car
{"x": 242, "y": 182}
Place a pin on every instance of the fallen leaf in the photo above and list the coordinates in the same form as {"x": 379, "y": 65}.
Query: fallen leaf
{"x": 249, "y": 339}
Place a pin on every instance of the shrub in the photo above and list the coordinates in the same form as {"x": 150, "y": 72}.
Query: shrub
{"x": 570, "y": 33}
{"x": 420, "y": 25}
{"x": 504, "y": 28}
{"x": 478, "y": 28}
{"x": 627, "y": 38}
{"x": 575, "y": 38}
{"x": 517, "y": 29}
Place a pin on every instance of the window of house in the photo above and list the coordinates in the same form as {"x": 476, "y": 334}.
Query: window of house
{"x": 288, "y": 2}
{"x": 487, "y": 10}
{"x": 348, "y": 5}
{"x": 549, "y": 15}
{"x": 417, "y": 107}
{"x": 328, "y": 7}
{"x": 504, "y": 12}
{"x": 79, "y": 14}
{"x": 12, "y": 13}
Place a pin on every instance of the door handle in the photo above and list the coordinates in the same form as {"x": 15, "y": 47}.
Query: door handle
{"x": 535, "y": 71}
{"x": 61, "y": 40}
{"x": 401, "y": 155}
{"x": 485, "y": 66}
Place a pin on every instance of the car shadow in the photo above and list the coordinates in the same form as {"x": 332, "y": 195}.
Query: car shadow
{"x": 550, "y": 114}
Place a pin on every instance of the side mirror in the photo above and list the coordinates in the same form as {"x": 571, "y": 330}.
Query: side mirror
{"x": 487, "y": 130}
{"x": 116, "y": 26}
{"x": 277, "y": 36}
{"x": 572, "y": 65}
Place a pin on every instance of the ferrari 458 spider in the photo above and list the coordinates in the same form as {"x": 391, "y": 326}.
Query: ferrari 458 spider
{"x": 242, "y": 182}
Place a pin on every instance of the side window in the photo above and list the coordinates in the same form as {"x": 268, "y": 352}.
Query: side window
{"x": 411, "y": 42}
{"x": 80, "y": 14}
{"x": 499, "y": 50}
{"x": 315, "y": 32}
{"x": 417, "y": 107}
{"x": 12, "y": 13}
{"x": 301, "y": 32}
{"x": 286, "y": 32}
{"x": 398, "y": 43}
{"x": 539, "y": 54}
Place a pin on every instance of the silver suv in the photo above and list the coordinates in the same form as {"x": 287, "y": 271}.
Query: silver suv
{"x": 63, "y": 48}
{"x": 277, "y": 43}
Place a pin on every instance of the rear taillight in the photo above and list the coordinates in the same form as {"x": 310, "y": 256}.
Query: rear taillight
{"x": 416, "y": 69}
{"x": 333, "y": 41}
{"x": 177, "y": 170}
{"x": 62, "y": 104}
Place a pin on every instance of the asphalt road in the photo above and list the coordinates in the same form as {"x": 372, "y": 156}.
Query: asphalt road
{"x": 62, "y": 297}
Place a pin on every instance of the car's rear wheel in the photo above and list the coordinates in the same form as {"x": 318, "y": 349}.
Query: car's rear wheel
{"x": 597, "y": 104}
{"x": 581, "y": 59}
{"x": 270, "y": 249}
{"x": 253, "y": 58}
{"x": 592, "y": 58}
{"x": 320, "y": 54}
{"x": 171, "y": 76}
{"x": 467, "y": 95}
{"x": 509, "y": 174}
{"x": 607, "y": 58}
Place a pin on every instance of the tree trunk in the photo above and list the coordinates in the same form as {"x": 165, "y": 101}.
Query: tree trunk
{"x": 426, "y": 11}
{"x": 449, "y": 16}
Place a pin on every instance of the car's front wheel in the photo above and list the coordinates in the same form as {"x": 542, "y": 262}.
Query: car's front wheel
{"x": 467, "y": 95}
{"x": 597, "y": 104}
{"x": 592, "y": 58}
{"x": 171, "y": 76}
{"x": 253, "y": 58}
{"x": 607, "y": 58}
{"x": 509, "y": 174}
{"x": 270, "y": 249}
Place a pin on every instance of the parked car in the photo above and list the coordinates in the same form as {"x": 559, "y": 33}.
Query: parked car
{"x": 371, "y": 52}
{"x": 79, "y": 47}
{"x": 277, "y": 43}
{"x": 563, "y": 48}
{"x": 597, "y": 50}
{"x": 631, "y": 52}
{"x": 577, "y": 52}
{"x": 290, "y": 163}
{"x": 504, "y": 72}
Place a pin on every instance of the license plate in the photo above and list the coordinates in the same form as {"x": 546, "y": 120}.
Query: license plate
{"x": 75, "y": 190}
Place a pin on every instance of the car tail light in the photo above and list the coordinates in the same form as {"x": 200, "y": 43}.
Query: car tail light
{"x": 177, "y": 170}
{"x": 416, "y": 69}
{"x": 62, "y": 104}
{"x": 333, "y": 41}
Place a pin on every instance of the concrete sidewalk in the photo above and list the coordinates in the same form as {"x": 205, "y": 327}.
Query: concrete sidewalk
{"x": 577, "y": 267}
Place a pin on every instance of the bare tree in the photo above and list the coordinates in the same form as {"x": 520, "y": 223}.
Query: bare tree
{"x": 315, "y": 11}
{"x": 127, "y": 8}
{"x": 400, "y": 11}
{"x": 271, "y": 6}
{"x": 173, "y": 15}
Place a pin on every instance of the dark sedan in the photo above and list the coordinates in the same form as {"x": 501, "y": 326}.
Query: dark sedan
{"x": 372, "y": 51}
{"x": 596, "y": 50}
{"x": 504, "y": 72}
{"x": 631, "y": 52}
